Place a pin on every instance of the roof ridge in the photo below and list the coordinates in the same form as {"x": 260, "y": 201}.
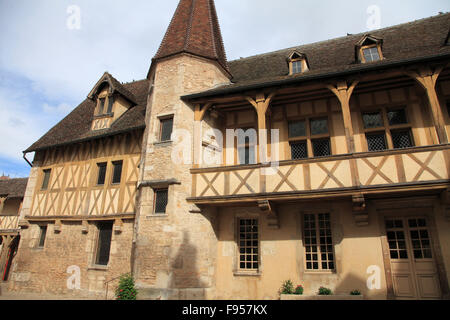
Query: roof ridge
{"x": 342, "y": 37}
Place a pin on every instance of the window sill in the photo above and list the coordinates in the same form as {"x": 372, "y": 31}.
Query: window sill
{"x": 246, "y": 274}
{"x": 98, "y": 267}
{"x": 320, "y": 272}
{"x": 105, "y": 115}
{"x": 163, "y": 143}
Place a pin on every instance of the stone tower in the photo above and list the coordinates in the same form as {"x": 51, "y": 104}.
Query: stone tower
{"x": 175, "y": 250}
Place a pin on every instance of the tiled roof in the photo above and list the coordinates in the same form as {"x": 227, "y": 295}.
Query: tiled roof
{"x": 76, "y": 127}
{"x": 410, "y": 41}
{"x": 194, "y": 29}
{"x": 13, "y": 188}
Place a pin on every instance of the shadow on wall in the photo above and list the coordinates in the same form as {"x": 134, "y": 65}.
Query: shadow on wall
{"x": 353, "y": 282}
{"x": 186, "y": 278}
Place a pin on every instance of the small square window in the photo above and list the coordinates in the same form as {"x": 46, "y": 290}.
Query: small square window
{"x": 117, "y": 174}
{"x": 161, "y": 200}
{"x": 299, "y": 150}
{"x": 101, "y": 173}
{"x": 402, "y": 139}
{"x": 46, "y": 179}
{"x": 397, "y": 116}
{"x": 372, "y": 120}
{"x": 166, "y": 129}
{"x": 371, "y": 54}
{"x": 319, "y": 126}
{"x": 297, "y": 129}
{"x": 321, "y": 147}
{"x": 376, "y": 141}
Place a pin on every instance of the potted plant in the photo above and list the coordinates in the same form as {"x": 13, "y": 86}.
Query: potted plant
{"x": 325, "y": 291}
{"x": 126, "y": 289}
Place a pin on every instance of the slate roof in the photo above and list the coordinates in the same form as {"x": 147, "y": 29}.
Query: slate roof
{"x": 76, "y": 127}
{"x": 13, "y": 188}
{"x": 415, "y": 41}
{"x": 405, "y": 42}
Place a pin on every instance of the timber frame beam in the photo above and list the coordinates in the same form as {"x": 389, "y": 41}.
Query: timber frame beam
{"x": 427, "y": 78}
{"x": 344, "y": 92}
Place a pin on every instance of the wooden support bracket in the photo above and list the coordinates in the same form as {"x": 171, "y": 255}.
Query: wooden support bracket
{"x": 360, "y": 213}
{"x": 58, "y": 226}
{"x": 272, "y": 215}
{"x": 23, "y": 224}
{"x": 84, "y": 226}
{"x": 118, "y": 225}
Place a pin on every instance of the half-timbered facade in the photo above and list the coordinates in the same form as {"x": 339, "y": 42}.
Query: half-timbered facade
{"x": 327, "y": 164}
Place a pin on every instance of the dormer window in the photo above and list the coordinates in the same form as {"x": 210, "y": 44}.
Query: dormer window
{"x": 369, "y": 49}
{"x": 297, "y": 63}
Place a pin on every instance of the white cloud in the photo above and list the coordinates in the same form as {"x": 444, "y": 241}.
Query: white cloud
{"x": 60, "y": 109}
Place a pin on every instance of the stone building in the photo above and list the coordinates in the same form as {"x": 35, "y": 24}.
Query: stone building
{"x": 11, "y": 197}
{"x": 339, "y": 176}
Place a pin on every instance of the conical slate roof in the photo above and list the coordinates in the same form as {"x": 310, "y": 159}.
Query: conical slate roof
{"x": 194, "y": 29}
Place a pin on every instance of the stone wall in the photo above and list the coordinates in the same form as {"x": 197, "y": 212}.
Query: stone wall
{"x": 44, "y": 270}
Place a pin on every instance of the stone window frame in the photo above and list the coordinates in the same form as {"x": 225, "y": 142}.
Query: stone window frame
{"x": 237, "y": 271}
{"x": 158, "y": 185}
{"x": 161, "y": 119}
{"x": 387, "y": 128}
{"x": 42, "y": 237}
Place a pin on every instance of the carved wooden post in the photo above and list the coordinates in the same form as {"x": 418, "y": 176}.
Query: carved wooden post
{"x": 343, "y": 92}
{"x": 4, "y": 254}
{"x": 427, "y": 78}
{"x": 261, "y": 104}
{"x": 199, "y": 114}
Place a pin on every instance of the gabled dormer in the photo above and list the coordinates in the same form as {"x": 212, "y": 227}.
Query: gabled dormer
{"x": 112, "y": 100}
{"x": 369, "y": 49}
{"x": 297, "y": 63}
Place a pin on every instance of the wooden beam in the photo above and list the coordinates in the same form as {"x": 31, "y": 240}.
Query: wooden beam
{"x": 427, "y": 78}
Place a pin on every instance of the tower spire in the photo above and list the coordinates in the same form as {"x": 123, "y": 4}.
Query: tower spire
{"x": 194, "y": 29}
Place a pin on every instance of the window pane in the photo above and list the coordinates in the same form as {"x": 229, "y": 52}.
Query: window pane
{"x": 372, "y": 120}
{"x": 117, "y": 172}
{"x": 110, "y": 104}
{"x": 319, "y": 126}
{"x": 313, "y": 224}
{"x": 321, "y": 147}
{"x": 397, "y": 117}
{"x": 371, "y": 54}
{"x": 401, "y": 139}
{"x": 101, "y": 173}
{"x": 299, "y": 150}
{"x": 161, "y": 200}
{"x": 42, "y": 236}
{"x": 166, "y": 129}
{"x": 376, "y": 141}
{"x": 297, "y": 129}
{"x": 104, "y": 243}
{"x": 249, "y": 260}
{"x": 101, "y": 105}
{"x": 296, "y": 67}
{"x": 46, "y": 179}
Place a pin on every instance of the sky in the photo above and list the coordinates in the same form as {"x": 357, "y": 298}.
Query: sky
{"x": 52, "y": 52}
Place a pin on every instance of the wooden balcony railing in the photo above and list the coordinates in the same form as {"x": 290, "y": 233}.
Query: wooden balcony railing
{"x": 419, "y": 167}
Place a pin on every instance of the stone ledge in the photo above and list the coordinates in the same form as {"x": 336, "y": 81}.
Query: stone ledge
{"x": 317, "y": 297}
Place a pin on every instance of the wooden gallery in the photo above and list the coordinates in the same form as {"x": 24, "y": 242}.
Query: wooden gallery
{"x": 360, "y": 187}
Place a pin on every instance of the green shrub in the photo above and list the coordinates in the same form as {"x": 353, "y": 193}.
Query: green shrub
{"x": 355, "y": 293}
{"x": 126, "y": 289}
{"x": 325, "y": 291}
{"x": 299, "y": 290}
{"x": 287, "y": 287}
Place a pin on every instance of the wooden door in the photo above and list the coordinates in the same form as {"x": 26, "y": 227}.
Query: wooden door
{"x": 414, "y": 272}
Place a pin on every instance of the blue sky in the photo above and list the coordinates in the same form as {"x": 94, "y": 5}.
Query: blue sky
{"x": 47, "y": 69}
